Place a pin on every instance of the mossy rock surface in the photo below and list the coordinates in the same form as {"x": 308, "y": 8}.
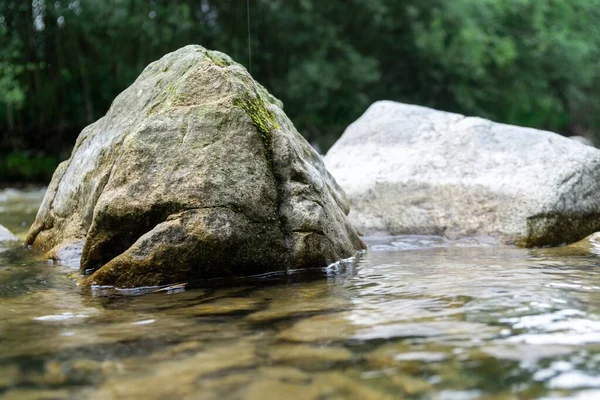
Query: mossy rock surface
{"x": 195, "y": 172}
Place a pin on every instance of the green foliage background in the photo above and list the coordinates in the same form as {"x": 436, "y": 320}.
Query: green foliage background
{"x": 525, "y": 62}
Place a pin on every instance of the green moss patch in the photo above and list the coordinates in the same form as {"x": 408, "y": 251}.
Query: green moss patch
{"x": 262, "y": 118}
{"x": 219, "y": 59}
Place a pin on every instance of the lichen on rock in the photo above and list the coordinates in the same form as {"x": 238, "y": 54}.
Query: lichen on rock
{"x": 195, "y": 172}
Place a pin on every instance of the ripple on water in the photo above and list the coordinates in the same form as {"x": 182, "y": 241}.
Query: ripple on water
{"x": 415, "y": 317}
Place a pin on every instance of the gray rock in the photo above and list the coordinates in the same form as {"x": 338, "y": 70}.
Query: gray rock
{"x": 582, "y": 140}
{"x": 6, "y": 235}
{"x": 195, "y": 172}
{"x": 413, "y": 170}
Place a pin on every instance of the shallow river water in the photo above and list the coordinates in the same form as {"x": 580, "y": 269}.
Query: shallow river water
{"x": 413, "y": 318}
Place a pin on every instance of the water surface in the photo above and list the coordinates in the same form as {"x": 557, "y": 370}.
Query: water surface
{"x": 414, "y": 318}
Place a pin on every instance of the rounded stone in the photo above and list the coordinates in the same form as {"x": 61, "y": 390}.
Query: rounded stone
{"x": 413, "y": 170}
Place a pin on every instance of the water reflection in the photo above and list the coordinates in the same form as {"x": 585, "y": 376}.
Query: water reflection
{"x": 415, "y": 317}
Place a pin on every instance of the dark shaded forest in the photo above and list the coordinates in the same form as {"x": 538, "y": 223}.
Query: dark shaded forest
{"x": 524, "y": 62}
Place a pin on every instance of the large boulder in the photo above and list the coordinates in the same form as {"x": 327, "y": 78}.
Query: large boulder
{"x": 195, "y": 172}
{"x": 413, "y": 170}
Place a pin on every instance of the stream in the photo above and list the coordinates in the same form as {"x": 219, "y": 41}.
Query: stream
{"x": 415, "y": 317}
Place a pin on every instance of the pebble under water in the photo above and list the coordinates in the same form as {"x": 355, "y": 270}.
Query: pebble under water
{"x": 413, "y": 318}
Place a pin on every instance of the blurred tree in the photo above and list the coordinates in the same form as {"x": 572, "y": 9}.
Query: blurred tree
{"x": 12, "y": 94}
{"x": 526, "y": 62}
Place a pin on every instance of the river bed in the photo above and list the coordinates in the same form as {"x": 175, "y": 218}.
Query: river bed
{"x": 415, "y": 317}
